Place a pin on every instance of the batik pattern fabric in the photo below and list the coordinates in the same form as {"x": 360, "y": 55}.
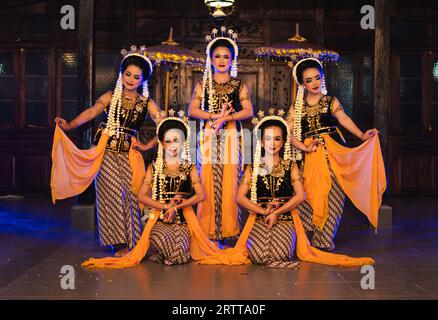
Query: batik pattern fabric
{"x": 118, "y": 212}
{"x": 274, "y": 247}
{"x": 219, "y": 161}
{"x": 171, "y": 241}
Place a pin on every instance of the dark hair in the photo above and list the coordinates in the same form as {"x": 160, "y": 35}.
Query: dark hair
{"x": 273, "y": 123}
{"x": 307, "y": 65}
{"x": 139, "y": 62}
{"x": 222, "y": 43}
{"x": 171, "y": 124}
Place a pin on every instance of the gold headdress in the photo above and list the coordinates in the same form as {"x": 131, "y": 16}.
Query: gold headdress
{"x": 159, "y": 176}
{"x": 299, "y": 101}
{"x": 207, "y": 79}
{"x": 113, "y": 123}
{"x": 258, "y": 150}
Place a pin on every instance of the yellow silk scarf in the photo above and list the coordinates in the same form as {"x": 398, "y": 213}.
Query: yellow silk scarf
{"x": 73, "y": 170}
{"x": 360, "y": 171}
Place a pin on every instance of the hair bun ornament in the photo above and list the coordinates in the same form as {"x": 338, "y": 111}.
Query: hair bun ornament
{"x": 294, "y": 70}
{"x": 113, "y": 127}
{"x": 224, "y": 34}
{"x": 261, "y": 116}
{"x": 207, "y": 78}
{"x": 159, "y": 174}
{"x": 184, "y": 120}
{"x": 299, "y": 102}
{"x": 137, "y": 52}
{"x": 258, "y": 149}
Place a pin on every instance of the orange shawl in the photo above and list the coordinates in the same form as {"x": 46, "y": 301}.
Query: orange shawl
{"x": 203, "y": 250}
{"x": 206, "y": 208}
{"x": 360, "y": 172}
{"x": 73, "y": 169}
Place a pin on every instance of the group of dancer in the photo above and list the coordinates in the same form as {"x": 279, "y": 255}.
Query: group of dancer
{"x": 286, "y": 193}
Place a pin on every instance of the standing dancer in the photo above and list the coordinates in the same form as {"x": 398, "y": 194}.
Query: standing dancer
{"x": 115, "y": 158}
{"x": 220, "y": 102}
{"x": 332, "y": 170}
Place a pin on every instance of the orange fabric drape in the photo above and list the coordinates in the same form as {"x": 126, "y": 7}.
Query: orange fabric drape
{"x": 201, "y": 248}
{"x": 204, "y": 251}
{"x": 73, "y": 170}
{"x": 317, "y": 184}
{"x": 307, "y": 253}
{"x": 133, "y": 257}
{"x": 206, "y": 208}
{"x": 360, "y": 172}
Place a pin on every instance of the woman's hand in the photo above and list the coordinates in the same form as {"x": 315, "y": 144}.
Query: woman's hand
{"x": 368, "y": 134}
{"x": 169, "y": 215}
{"x": 63, "y": 124}
{"x": 227, "y": 108}
{"x": 174, "y": 201}
{"x": 271, "y": 207}
{"x": 271, "y": 220}
{"x": 218, "y": 124}
{"x": 313, "y": 146}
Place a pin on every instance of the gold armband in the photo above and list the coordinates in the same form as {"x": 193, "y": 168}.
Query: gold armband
{"x": 245, "y": 97}
{"x": 246, "y": 181}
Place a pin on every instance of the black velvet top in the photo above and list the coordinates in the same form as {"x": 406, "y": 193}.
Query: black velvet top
{"x": 177, "y": 182}
{"x": 276, "y": 184}
{"x": 318, "y": 119}
{"x": 132, "y": 116}
{"x": 225, "y": 92}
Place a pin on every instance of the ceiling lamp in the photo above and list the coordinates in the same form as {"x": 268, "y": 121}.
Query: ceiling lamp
{"x": 219, "y": 9}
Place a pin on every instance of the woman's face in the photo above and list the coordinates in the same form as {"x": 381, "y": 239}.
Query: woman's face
{"x": 221, "y": 59}
{"x": 312, "y": 80}
{"x": 173, "y": 142}
{"x": 272, "y": 140}
{"x": 132, "y": 77}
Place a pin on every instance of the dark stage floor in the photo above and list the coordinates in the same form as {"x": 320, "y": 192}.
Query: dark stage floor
{"x": 36, "y": 240}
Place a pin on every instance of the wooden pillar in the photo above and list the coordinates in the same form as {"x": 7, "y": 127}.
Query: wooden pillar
{"x": 85, "y": 94}
{"x": 381, "y": 90}
{"x": 85, "y": 65}
{"x": 318, "y": 32}
{"x": 381, "y": 72}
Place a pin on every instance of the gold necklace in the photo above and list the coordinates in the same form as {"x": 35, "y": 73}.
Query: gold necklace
{"x": 127, "y": 103}
{"x": 172, "y": 173}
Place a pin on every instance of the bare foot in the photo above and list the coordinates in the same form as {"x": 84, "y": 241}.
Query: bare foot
{"x": 121, "y": 252}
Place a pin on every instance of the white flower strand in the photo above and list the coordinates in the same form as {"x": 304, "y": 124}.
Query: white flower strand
{"x": 113, "y": 122}
{"x": 158, "y": 172}
{"x": 255, "y": 171}
{"x": 298, "y": 111}
{"x": 234, "y": 68}
{"x": 323, "y": 87}
{"x": 258, "y": 153}
{"x": 145, "y": 91}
